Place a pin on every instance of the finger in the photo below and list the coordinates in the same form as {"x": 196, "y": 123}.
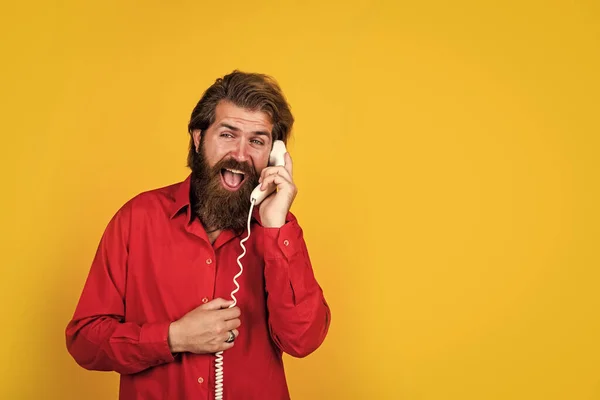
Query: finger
{"x": 273, "y": 180}
{"x": 276, "y": 178}
{"x": 232, "y": 324}
{"x": 216, "y": 304}
{"x": 221, "y": 345}
{"x": 224, "y": 336}
{"x": 225, "y": 346}
{"x": 229, "y": 313}
{"x": 266, "y": 171}
{"x": 277, "y": 170}
{"x": 282, "y": 171}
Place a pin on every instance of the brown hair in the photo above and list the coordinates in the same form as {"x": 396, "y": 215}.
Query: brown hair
{"x": 252, "y": 91}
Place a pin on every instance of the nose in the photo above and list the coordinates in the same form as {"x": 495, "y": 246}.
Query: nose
{"x": 240, "y": 152}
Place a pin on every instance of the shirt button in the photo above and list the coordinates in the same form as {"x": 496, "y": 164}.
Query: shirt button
{"x": 205, "y": 300}
{"x": 201, "y": 380}
{"x": 286, "y": 242}
{"x": 209, "y": 261}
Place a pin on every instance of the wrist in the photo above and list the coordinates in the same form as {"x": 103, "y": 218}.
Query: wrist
{"x": 278, "y": 223}
{"x": 273, "y": 221}
{"x": 173, "y": 338}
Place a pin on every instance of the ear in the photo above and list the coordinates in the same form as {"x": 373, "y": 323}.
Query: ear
{"x": 196, "y": 133}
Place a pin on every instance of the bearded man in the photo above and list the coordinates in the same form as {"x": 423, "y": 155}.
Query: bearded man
{"x": 157, "y": 305}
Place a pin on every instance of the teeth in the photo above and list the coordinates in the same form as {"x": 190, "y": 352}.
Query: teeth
{"x": 235, "y": 171}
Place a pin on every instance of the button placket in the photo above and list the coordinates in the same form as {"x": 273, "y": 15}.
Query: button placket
{"x": 205, "y": 292}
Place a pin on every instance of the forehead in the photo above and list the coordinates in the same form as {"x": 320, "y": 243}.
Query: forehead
{"x": 242, "y": 118}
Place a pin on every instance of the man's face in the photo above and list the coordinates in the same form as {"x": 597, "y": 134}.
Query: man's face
{"x": 239, "y": 134}
{"x": 231, "y": 154}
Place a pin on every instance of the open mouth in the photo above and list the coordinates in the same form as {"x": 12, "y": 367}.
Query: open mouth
{"x": 232, "y": 179}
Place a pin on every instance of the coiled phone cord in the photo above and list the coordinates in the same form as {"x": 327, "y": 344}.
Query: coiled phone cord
{"x": 219, "y": 359}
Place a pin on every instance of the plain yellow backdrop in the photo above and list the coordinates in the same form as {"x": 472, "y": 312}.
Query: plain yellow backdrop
{"x": 446, "y": 155}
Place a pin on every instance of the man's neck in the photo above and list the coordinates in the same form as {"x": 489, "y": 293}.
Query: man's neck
{"x": 213, "y": 235}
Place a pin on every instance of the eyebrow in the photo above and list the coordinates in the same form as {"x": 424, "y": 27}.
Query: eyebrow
{"x": 236, "y": 129}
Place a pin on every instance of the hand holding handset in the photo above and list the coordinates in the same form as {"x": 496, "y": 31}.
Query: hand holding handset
{"x": 277, "y": 159}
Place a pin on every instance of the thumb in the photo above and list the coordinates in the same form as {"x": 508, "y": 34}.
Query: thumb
{"x": 216, "y": 304}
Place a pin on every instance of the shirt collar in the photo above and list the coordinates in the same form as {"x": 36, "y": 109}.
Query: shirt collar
{"x": 181, "y": 198}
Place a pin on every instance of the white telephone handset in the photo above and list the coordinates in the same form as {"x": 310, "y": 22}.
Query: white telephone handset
{"x": 276, "y": 158}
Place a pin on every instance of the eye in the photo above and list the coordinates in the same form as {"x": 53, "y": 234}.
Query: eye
{"x": 226, "y": 134}
{"x": 257, "y": 141}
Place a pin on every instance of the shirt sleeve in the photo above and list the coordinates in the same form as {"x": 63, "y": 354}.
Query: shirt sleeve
{"x": 299, "y": 316}
{"x": 98, "y": 337}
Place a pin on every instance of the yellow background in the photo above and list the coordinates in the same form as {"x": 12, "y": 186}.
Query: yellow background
{"x": 446, "y": 155}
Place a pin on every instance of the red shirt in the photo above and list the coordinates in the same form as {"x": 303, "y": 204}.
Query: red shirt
{"x": 155, "y": 263}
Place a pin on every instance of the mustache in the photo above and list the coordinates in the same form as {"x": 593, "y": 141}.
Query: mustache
{"x": 231, "y": 163}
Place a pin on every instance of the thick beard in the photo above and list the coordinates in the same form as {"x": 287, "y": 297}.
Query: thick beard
{"x": 215, "y": 206}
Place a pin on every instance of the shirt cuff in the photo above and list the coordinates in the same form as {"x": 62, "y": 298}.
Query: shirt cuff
{"x": 154, "y": 341}
{"x": 283, "y": 242}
